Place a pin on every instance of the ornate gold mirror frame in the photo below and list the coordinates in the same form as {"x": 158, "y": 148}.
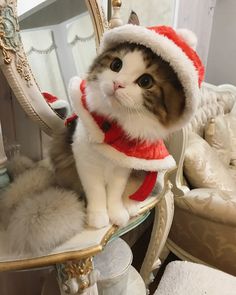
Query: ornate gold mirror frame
{"x": 15, "y": 67}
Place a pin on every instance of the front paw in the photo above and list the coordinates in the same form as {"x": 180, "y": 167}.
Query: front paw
{"x": 119, "y": 216}
{"x": 97, "y": 219}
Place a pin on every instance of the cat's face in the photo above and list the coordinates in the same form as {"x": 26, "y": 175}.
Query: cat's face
{"x": 133, "y": 79}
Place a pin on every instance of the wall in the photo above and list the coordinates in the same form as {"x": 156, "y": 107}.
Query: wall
{"x": 25, "y": 8}
{"x": 221, "y": 66}
{"x": 150, "y": 13}
{"x": 197, "y": 15}
{"x": 55, "y": 13}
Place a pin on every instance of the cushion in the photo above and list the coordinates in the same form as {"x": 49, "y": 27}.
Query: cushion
{"x": 217, "y": 135}
{"x": 231, "y": 118}
{"x": 210, "y": 203}
{"x": 184, "y": 278}
{"x": 220, "y": 133}
{"x": 203, "y": 168}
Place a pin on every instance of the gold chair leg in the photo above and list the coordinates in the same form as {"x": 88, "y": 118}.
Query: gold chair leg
{"x": 77, "y": 277}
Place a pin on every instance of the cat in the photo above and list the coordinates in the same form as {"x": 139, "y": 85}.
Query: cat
{"x": 134, "y": 87}
{"x": 35, "y": 215}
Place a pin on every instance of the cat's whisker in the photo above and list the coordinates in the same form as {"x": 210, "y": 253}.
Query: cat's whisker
{"x": 128, "y": 98}
{"x": 137, "y": 112}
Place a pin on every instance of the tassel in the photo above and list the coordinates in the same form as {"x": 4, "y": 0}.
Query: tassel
{"x": 146, "y": 187}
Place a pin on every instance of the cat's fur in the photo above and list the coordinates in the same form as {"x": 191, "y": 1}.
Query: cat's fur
{"x": 36, "y": 216}
{"x": 146, "y": 114}
{"x": 44, "y": 221}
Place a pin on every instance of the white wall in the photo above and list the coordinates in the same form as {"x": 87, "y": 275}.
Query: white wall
{"x": 150, "y": 13}
{"x": 197, "y": 15}
{"x": 221, "y": 66}
{"x": 25, "y": 6}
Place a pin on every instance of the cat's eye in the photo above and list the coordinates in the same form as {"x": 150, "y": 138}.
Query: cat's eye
{"x": 116, "y": 65}
{"x": 145, "y": 81}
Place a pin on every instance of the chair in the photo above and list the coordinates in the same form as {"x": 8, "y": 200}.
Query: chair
{"x": 203, "y": 228}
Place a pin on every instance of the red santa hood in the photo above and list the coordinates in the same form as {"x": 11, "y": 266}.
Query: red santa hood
{"x": 110, "y": 140}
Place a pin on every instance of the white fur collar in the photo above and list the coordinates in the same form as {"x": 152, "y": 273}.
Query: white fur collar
{"x": 96, "y": 137}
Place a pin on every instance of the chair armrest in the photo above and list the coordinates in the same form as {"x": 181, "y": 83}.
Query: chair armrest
{"x": 210, "y": 203}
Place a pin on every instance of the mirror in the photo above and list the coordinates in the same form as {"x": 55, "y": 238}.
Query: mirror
{"x": 59, "y": 42}
{"x": 59, "y": 39}
{"x": 35, "y": 21}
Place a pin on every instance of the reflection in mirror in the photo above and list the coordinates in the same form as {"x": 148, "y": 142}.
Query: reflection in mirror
{"x": 59, "y": 42}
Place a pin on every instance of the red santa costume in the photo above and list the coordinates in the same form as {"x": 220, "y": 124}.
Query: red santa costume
{"x": 109, "y": 138}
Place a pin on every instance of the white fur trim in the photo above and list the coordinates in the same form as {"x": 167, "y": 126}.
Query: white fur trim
{"x": 94, "y": 132}
{"x": 132, "y": 162}
{"x": 188, "y": 36}
{"x": 74, "y": 91}
{"x": 59, "y": 104}
{"x": 169, "y": 51}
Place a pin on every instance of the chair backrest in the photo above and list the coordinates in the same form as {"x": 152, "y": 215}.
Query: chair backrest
{"x": 214, "y": 100}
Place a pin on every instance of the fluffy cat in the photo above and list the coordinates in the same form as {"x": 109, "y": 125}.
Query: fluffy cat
{"x": 134, "y": 87}
{"x": 36, "y": 216}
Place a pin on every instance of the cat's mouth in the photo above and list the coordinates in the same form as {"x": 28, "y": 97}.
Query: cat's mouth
{"x": 116, "y": 99}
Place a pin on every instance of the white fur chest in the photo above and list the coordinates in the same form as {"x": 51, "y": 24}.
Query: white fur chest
{"x": 88, "y": 158}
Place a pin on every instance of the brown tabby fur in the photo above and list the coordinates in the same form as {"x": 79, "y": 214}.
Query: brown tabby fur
{"x": 63, "y": 160}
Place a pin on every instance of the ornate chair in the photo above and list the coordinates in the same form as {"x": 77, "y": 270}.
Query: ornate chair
{"x": 78, "y": 252}
{"x": 203, "y": 228}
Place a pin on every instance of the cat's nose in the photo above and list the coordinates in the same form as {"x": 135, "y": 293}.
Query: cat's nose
{"x": 117, "y": 85}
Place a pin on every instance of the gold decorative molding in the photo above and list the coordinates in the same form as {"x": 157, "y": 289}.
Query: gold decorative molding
{"x": 100, "y": 23}
{"x": 116, "y": 20}
{"x": 10, "y": 41}
{"x": 116, "y": 3}
{"x": 75, "y": 274}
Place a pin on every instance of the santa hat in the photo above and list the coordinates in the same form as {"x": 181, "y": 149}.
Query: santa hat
{"x": 175, "y": 47}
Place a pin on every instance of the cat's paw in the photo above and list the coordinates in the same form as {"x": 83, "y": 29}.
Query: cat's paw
{"x": 132, "y": 207}
{"x": 97, "y": 219}
{"x": 119, "y": 216}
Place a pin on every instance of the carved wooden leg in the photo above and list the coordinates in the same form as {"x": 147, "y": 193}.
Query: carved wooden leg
{"x": 164, "y": 253}
{"x": 164, "y": 212}
{"x": 77, "y": 277}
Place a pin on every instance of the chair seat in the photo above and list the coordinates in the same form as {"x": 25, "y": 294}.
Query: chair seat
{"x": 182, "y": 278}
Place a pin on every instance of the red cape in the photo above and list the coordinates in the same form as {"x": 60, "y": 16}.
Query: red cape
{"x": 116, "y": 138}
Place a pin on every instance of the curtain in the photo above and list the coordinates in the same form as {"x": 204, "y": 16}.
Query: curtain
{"x": 80, "y": 36}
{"x": 40, "y": 49}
